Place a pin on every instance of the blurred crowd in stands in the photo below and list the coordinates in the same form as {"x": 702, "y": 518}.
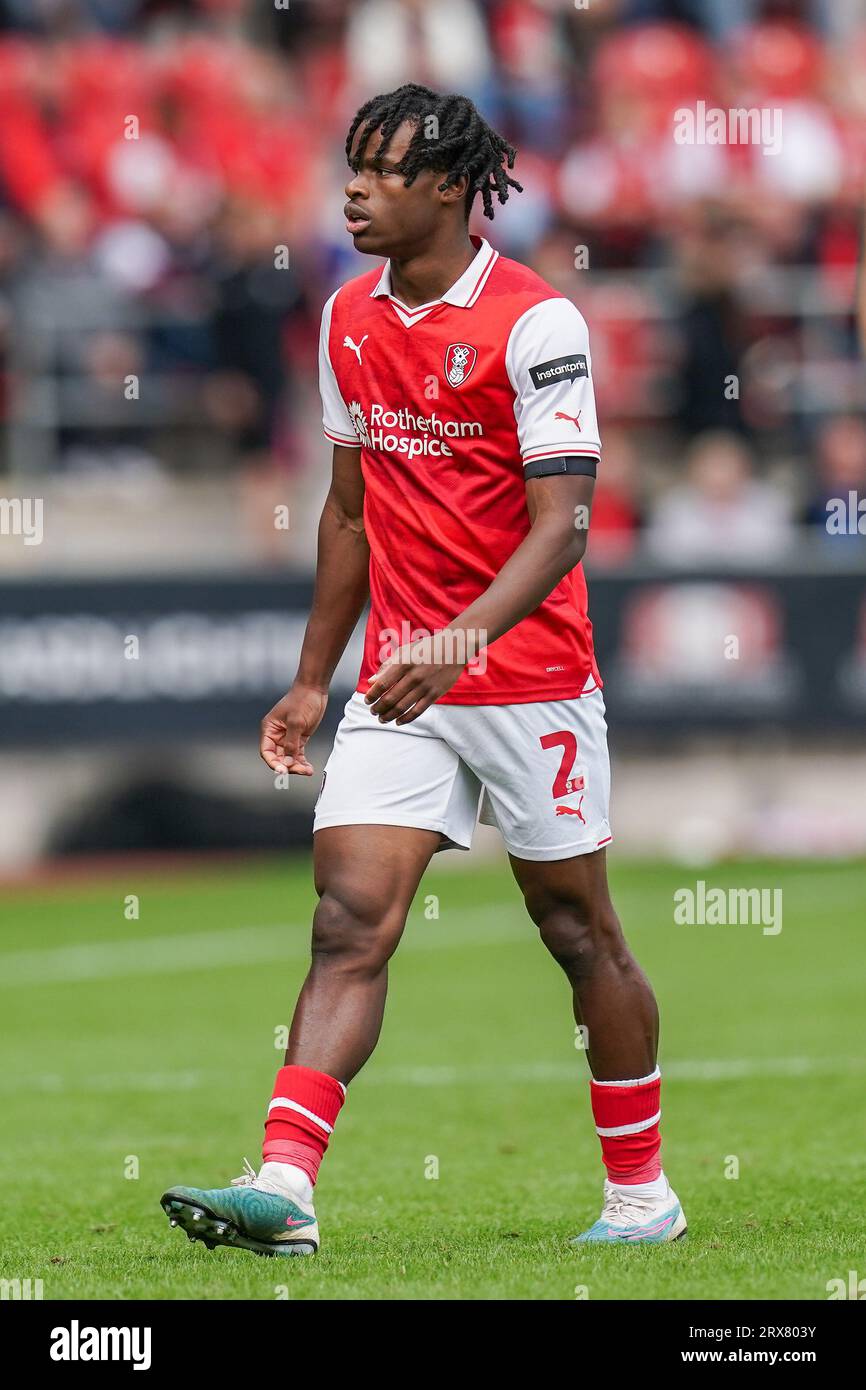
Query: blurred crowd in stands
{"x": 155, "y": 157}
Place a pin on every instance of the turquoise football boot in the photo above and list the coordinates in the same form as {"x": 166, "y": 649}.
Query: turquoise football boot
{"x": 629, "y": 1220}
{"x": 251, "y": 1214}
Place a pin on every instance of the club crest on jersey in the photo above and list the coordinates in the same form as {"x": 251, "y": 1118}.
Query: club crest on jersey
{"x": 460, "y": 358}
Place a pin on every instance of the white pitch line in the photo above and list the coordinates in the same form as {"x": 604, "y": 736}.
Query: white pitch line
{"x": 709, "y": 1070}
{"x": 720, "y": 1069}
{"x": 214, "y": 950}
{"x": 255, "y": 945}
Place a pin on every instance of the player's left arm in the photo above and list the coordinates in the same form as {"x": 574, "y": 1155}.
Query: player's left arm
{"x": 559, "y": 508}
{"x": 548, "y": 363}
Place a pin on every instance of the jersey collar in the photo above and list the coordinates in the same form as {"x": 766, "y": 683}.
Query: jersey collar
{"x": 464, "y": 292}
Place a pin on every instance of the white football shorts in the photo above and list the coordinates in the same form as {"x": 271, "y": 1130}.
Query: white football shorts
{"x": 539, "y": 772}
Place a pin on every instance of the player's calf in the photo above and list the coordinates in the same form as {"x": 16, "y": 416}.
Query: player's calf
{"x": 270, "y": 1213}
{"x": 615, "y": 1006}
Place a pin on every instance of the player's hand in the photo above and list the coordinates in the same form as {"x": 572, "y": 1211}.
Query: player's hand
{"x": 286, "y": 728}
{"x": 410, "y": 681}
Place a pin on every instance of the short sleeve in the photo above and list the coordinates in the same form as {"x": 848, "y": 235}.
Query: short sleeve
{"x": 336, "y": 420}
{"x": 549, "y": 366}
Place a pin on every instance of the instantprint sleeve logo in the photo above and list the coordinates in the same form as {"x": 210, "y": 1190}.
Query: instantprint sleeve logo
{"x": 359, "y": 420}
{"x": 559, "y": 369}
{"x": 460, "y": 358}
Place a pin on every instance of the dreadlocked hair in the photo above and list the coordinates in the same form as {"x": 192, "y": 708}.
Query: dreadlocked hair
{"x": 457, "y": 141}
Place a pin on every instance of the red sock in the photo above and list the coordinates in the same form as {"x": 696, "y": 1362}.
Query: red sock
{"x": 301, "y": 1118}
{"x": 627, "y": 1115}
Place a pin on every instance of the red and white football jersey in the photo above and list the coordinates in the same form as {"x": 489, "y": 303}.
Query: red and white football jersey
{"x": 449, "y": 402}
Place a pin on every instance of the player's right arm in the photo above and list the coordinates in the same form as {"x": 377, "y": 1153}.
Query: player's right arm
{"x": 341, "y": 590}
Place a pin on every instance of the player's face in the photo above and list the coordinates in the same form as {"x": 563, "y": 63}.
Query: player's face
{"x": 384, "y": 217}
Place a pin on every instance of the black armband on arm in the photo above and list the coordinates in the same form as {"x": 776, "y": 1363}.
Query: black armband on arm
{"x": 568, "y": 463}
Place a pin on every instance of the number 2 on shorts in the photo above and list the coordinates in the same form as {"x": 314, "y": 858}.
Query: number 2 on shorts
{"x": 565, "y": 783}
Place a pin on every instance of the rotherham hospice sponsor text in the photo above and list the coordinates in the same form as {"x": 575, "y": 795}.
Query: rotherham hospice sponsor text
{"x": 424, "y": 434}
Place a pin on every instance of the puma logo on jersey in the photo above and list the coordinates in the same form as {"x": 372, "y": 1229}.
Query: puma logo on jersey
{"x": 356, "y": 347}
{"x": 572, "y": 811}
{"x": 575, "y": 419}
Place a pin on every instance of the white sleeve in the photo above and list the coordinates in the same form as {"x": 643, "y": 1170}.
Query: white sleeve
{"x": 549, "y": 367}
{"x": 336, "y": 420}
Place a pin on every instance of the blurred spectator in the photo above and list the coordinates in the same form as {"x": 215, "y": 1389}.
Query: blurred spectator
{"x": 11, "y": 251}
{"x": 861, "y": 286}
{"x": 113, "y": 16}
{"x": 531, "y": 55}
{"x": 615, "y": 516}
{"x": 254, "y": 301}
{"x": 109, "y": 434}
{"x": 720, "y": 514}
{"x": 840, "y": 484}
{"x": 156, "y": 153}
{"x": 443, "y": 45}
{"x": 839, "y": 18}
{"x": 712, "y": 324}
{"x": 717, "y": 17}
{"x": 626, "y": 172}
{"x": 721, "y": 18}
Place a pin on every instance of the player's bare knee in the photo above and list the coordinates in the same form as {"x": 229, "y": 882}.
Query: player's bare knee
{"x": 353, "y": 931}
{"x": 569, "y": 938}
{"x": 580, "y": 934}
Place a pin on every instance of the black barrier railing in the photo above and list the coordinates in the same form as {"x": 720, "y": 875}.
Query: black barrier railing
{"x": 83, "y": 661}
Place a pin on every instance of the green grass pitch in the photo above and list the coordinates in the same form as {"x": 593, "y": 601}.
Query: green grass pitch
{"x": 140, "y": 1052}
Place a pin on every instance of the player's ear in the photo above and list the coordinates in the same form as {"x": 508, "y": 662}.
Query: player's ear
{"x": 456, "y": 192}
